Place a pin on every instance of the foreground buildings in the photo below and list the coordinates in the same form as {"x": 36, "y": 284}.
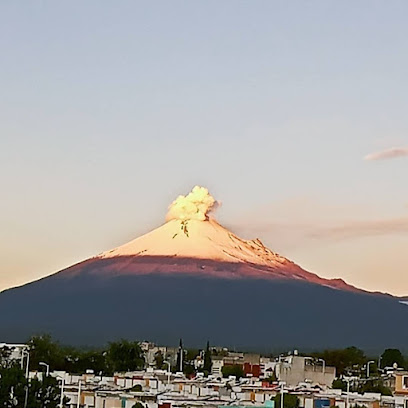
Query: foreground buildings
{"x": 161, "y": 389}
{"x": 263, "y": 379}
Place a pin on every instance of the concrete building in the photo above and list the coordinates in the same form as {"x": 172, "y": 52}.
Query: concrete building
{"x": 217, "y": 364}
{"x": 296, "y": 369}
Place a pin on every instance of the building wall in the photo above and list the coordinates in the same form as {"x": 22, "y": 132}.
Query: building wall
{"x": 401, "y": 380}
{"x": 294, "y": 371}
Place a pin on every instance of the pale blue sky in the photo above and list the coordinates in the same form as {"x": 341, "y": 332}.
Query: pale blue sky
{"x": 109, "y": 110}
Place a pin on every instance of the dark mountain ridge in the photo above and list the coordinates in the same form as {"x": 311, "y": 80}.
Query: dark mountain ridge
{"x": 92, "y": 308}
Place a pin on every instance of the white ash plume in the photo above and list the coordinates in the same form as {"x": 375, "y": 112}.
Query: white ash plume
{"x": 197, "y": 205}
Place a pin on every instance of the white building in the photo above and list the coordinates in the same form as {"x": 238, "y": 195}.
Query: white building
{"x": 10, "y": 352}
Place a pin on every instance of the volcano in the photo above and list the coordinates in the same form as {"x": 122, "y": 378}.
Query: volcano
{"x": 195, "y": 279}
{"x": 197, "y": 248}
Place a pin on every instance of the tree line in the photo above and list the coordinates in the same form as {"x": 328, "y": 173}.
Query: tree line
{"x": 119, "y": 356}
{"x": 351, "y": 360}
{"x": 124, "y": 355}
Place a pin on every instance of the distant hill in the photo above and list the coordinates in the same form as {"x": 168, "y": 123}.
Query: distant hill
{"x": 251, "y": 314}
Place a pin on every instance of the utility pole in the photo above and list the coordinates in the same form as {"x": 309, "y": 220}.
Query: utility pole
{"x": 27, "y": 378}
{"x": 47, "y": 366}
{"x": 368, "y": 368}
{"x": 62, "y": 392}
{"x": 324, "y": 365}
{"x": 79, "y": 394}
{"x": 348, "y": 391}
{"x": 168, "y": 372}
{"x": 282, "y": 392}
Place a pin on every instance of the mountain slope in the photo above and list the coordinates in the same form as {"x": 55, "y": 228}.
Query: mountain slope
{"x": 202, "y": 247}
{"x": 254, "y": 314}
{"x": 193, "y": 278}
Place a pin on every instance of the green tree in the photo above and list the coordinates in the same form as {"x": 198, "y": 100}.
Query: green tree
{"x": 354, "y": 356}
{"x": 44, "y": 394}
{"x": 14, "y": 389}
{"x": 376, "y": 386}
{"x": 289, "y": 401}
{"x": 189, "y": 370}
{"x": 12, "y": 386}
{"x": 125, "y": 356}
{"x": 235, "y": 369}
{"x": 158, "y": 360}
{"x": 78, "y": 361}
{"x": 44, "y": 349}
{"x": 392, "y": 356}
{"x": 138, "y": 405}
{"x": 180, "y": 357}
{"x": 343, "y": 359}
{"x": 91, "y": 359}
{"x": 339, "y": 384}
{"x": 207, "y": 359}
{"x": 191, "y": 354}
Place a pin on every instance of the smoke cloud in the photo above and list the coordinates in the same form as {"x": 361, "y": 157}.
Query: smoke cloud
{"x": 392, "y": 153}
{"x": 197, "y": 205}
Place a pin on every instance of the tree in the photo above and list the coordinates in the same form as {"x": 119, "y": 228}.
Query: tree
{"x": 191, "y": 354}
{"x": 159, "y": 360}
{"x": 376, "y": 386}
{"x": 14, "y": 389}
{"x": 343, "y": 359}
{"x": 180, "y": 357}
{"x": 44, "y": 349}
{"x": 125, "y": 356}
{"x": 339, "y": 384}
{"x": 235, "y": 370}
{"x": 289, "y": 401}
{"x": 354, "y": 356}
{"x": 12, "y": 386}
{"x": 189, "y": 370}
{"x": 91, "y": 359}
{"x": 392, "y": 356}
{"x": 44, "y": 394}
{"x": 138, "y": 405}
{"x": 207, "y": 359}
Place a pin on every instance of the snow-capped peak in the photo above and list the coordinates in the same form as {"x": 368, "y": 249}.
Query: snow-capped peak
{"x": 192, "y": 242}
{"x": 197, "y": 239}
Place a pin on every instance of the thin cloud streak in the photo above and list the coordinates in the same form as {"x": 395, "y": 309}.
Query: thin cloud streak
{"x": 393, "y": 153}
{"x": 357, "y": 229}
{"x": 343, "y": 231}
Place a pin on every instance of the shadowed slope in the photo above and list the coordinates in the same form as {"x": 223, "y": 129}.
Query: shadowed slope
{"x": 245, "y": 313}
{"x": 175, "y": 265}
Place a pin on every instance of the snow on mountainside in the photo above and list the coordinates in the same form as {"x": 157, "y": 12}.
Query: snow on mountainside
{"x": 191, "y": 242}
{"x": 197, "y": 239}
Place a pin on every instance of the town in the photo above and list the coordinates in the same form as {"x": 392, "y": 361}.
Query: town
{"x": 145, "y": 375}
